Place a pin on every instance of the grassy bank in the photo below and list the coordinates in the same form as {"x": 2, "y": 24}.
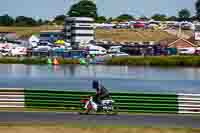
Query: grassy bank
{"x": 55, "y": 128}
{"x": 160, "y": 61}
{"x": 26, "y": 32}
{"x": 39, "y": 61}
{"x": 164, "y": 61}
{"x": 101, "y": 34}
{"x": 132, "y": 35}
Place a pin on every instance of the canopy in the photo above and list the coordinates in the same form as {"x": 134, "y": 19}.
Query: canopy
{"x": 60, "y": 42}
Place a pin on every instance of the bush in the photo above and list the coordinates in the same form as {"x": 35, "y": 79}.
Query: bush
{"x": 37, "y": 60}
{"x": 156, "y": 61}
{"x": 68, "y": 61}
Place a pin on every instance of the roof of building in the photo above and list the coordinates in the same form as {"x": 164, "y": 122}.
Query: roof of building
{"x": 171, "y": 41}
{"x": 192, "y": 44}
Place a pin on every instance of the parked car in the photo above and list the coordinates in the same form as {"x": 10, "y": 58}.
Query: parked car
{"x": 19, "y": 51}
{"x": 186, "y": 51}
{"x": 96, "y": 50}
{"x": 139, "y": 25}
{"x": 114, "y": 49}
{"x": 4, "y": 53}
{"x": 43, "y": 46}
{"x": 118, "y": 54}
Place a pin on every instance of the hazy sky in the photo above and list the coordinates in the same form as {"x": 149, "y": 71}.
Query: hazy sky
{"x": 50, "y": 8}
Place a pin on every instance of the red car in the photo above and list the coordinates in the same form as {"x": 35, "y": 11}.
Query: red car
{"x": 139, "y": 25}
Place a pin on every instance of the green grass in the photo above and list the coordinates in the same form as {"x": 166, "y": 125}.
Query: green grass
{"x": 37, "y": 60}
{"x": 25, "y": 32}
{"x": 119, "y": 35}
{"x": 101, "y": 34}
{"x": 162, "y": 61}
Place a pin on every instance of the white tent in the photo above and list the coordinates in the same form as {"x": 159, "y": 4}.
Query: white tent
{"x": 33, "y": 40}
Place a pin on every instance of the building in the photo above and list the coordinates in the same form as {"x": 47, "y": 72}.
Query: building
{"x": 181, "y": 43}
{"x": 79, "y": 30}
{"x": 177, "y": 43}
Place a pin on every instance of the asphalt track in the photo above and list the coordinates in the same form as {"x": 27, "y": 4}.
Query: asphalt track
{"x": 172, "y": 121}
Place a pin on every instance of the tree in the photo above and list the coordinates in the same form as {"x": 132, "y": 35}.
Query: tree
{"x": 144, "y": 18}
{"x": 84, "y": 8}
{"x": 184, "y": 15}
{"x": 109, "y": 20}
{"x": 46, "y": 22}
{"x": 193, "y": 18}
{"x": 197, "y": 5}
{"x": 59, "y": 19}
{"x": 25, "y": 21}
{"x": 6, "y": 20}
{"x": 40, "y": 22}
{"x": 101, "y": 19}
{"x": 172, "y": 18}
{"x": 124, "y": 17}
{"x": 159, "y": 17}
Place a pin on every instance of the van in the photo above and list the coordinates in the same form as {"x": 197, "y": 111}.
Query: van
{"x": 114, "y": 49}
{"x": 187, "y": 51}
{"x": 96, "y": 50}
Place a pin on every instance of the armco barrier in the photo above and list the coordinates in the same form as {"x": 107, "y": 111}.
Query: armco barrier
{"x": 189, "y": 103}
{"x": 12, "y": 98}
{"x": 126, "y": 102}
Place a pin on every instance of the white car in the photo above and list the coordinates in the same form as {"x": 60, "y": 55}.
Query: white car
{"x": 96, "y": 50}
{"x": 113, "y": 49}
{"x": 119, "y": 54}
{"x": 42, "y": 48}
{"x": 186, "y": 51}
{"x": 4, "y": 53}
{"x": 19, "y": 51}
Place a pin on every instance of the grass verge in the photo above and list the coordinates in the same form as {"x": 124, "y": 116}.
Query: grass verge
{"x": 26, "y": 32}
{"x": 101, "y": 34}
{"x": 119, "y": 35}
{"x": 161, "y": 61}
{"x": 39, "y": 61}
{"x": 66, "y": 128}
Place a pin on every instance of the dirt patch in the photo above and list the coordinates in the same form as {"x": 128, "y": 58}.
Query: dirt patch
{"x": 119, "y": 35}
{"x": 101, "y": 34}
{"x": 66, "y": 129}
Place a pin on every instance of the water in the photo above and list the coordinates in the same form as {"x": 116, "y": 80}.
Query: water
{"x": 116, "y": 78}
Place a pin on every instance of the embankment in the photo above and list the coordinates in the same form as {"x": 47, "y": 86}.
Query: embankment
{"x": 39, "y": 61}
{"x": 162, "y": 61}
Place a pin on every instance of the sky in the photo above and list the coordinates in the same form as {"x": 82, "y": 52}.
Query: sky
{"x": 48, "y": 9}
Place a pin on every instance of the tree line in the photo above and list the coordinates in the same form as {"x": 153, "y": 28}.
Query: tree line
{"x": 86, "y": 8}
{"x": 6, "y": 20}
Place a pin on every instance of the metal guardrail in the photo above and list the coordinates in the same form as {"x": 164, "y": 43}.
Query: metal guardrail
{"x": 189, "y": 103}
{"x": 127, "y": 102}
{"x": 12, "y": 98}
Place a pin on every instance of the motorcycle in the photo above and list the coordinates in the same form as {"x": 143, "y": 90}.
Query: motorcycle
{"x": 107, "y": 106}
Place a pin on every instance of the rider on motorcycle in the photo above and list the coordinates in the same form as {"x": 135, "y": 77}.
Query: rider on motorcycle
{"x": 101, "y": 92}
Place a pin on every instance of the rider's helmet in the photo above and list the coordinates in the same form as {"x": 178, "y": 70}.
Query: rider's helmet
{"x": 95, "y": 84}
